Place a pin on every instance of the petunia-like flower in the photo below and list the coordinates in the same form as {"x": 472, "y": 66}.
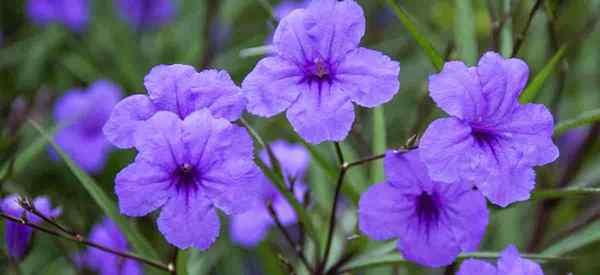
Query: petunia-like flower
{"x": 318, "y": 70}
{"x": 146, "y": 13}
{"x": 18, "y": 236}
{"x": 71, "y": 13}
{"x": 510, "y": 263}
{"x": 249, "y": 228}
{"x": 80, "y": 116}
{"x": 108, "y": 234}
{"x": 178, "y": 89}
{"x": 189, "y": 168}
{"x": 434, "y": 221}
{"x": 490, "y": 140}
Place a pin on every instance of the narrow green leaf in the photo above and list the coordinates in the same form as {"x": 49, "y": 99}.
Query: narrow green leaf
{"x": 540, "y": 78}
{"x": 435, "y": 58}
{"x": 584, "y": 237}
{"x": 465, "y": 31}
{"x": 586, "y": 118}
{"x": 182, "y": 262}
{"x": 379, "y": 143}
{"x": 256, "y": 51}
{"x": 24, "y": 157}
{"x": 139, "y": 243}
{"x": 566, "y": 192}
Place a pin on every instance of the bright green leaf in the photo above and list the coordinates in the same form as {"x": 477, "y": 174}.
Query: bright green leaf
{"x": 586, "y": 236}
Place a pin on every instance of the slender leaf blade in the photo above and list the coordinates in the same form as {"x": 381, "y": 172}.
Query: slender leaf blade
{"x": 586, "y": 118}
{"x": 465, "y": 31}
{"x": 379, "y": 143}
{"x": 540, "y": 78}
{"x": 584, "y": 237}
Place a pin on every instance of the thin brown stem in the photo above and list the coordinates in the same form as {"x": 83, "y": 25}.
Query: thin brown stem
{"x": 521, "y": 37}
{"x": 86, "y": 242}
{"x": 297, "y": 249}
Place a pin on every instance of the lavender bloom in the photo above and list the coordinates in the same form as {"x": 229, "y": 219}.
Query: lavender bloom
{"x": 434, "y": 221}
{"x": 108, "y": 234}
{"x": 81, "y": 115}
{"x": 250, "y": 227}
{"x": 510, "y": 263}
{"x": 287, "y": 6}
{"x": 490, "y": 139}
{"x": 18, "y": 236}
{"x": 189, "y": 168}
{"x": 318, "y": 70}
{"x": 146, "y": 13}
{"x": 178, "y": 89}
{"x": 72, "y": 13}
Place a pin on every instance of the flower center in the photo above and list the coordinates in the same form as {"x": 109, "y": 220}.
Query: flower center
{"x": 186, "y": 177}
{"x": 428, "y": 208}
{"x": 319, "y": 70}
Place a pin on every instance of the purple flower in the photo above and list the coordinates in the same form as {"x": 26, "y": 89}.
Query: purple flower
{"x": 146, "y": 13}
{"x": 285, "y": 7}
{"x": 250, "y": 227}
{"x": 178, "y": 89}
{"x": 108, "y": 234}
{"x": 189, "y": 168}
{"x": 71, "y": 13}
{"x": 318, "y": 70}
{"x": 490, "y": 139}
{"x": 80, "y": 116}
{"x": 18, "y": 236}
{"x": 510, "y": 263}
{"x": 434, "y": 221}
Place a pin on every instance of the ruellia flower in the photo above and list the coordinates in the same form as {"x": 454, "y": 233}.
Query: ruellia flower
{"x": 108, "y": 234}
{"x": 318, "y": 70}
{"x": 189, "y": 168}
{"x": 18, "y": 236}
{"x": 178, "y": 89}
{"x": 80, "y": 115}
{"x": 249, "y": 228}
{"x": 434, "y": 221}
{"x": 510, "y": 263}
{"x": 490, "y": 139}
{"x": 72, "y": 13}
{"x": 146, "y": 13}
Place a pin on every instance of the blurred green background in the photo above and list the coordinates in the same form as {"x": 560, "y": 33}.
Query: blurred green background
{"x": 38, "y": 64}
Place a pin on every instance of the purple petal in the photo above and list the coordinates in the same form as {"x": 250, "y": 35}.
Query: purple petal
{"x": 43, "y": 205}
{"x": 125, "y": 118}
{"x": 370, "y": 77}
{"x": 456, "y": 90}
{"x": 158, "y": 140}
{"x": 324, "y": 113}
{"x": 467, "y": 214}
{"x": 291, "y": 40}
{"x": 216, "y": 91}
{"x": 10, "y": 205}
{"x": 406, "y": 171}
{"x": 447, "y": 149}
{"x": 17, "y": 239}
{"x": 142, "y": 188}
{"x": 249, "y": 228}
{"x": 294, "y": 158}
{"x": 189, "y": 220}
{"x": 334, "y": 27}
{"x": 89, "y": 152}
{"x": 381, "y": 210}
{"x": 510, "y": 262}
{"x": 476, "y": 267}
{"x": 169, "y": 88}
{"x": 70, "y": 106}
{"x": 272, "y": 86}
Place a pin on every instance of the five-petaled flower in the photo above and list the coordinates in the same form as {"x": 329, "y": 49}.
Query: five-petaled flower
{"x": 178, "y": 89}
{"x": 318, "y": 70}
{"x": 72, "y": 13}
{"x": 434, "y": 221}
{"x": 18, "y": 236}
{"x": 490, "y": 140}
{"x": 146, "y": 13}
{"x": 189, "y": 168}
{"x": 510, "y": 263}
{"x": 81, "y": 116}
{"x": 108, "y": 234}
{"x": 250, "y": 227}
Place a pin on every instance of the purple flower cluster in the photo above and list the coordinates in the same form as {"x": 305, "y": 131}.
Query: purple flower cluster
{"x": 318, "y": 71}
{"x": 71, "y": 13}
{"x": 510, "y": 263}
{"x": 490, "y": 140}
{"x": 108, "y": 234}
{"x": 434, "y": 221}
{"x": 146, "y": 13}
{"x": 250, "y": 227}
{"x": 18, "y": 236}
{"x": 80, "y": 116}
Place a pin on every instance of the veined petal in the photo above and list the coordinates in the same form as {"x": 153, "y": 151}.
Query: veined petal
{"x": 382, "y": 209}
{"x": 125, "y": 118}
{"x": 476, "y": 267}
{"x": 214, "y": 89}
{"x": 457, "y": 91}
{"x": 169, "y": 88}
{"x": 142, "y": 188}
{"x": 159, "y": 140}
{"x": 510, "y": 262}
